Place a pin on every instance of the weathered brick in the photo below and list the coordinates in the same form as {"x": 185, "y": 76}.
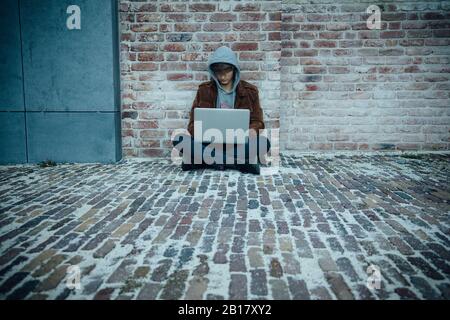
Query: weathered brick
{"x": 149, "y": 291}
{"x": 275, "y": 269}
{"x": 175, "y": 285}
{"x": 53, "y": 280}
{"x": 238, "y": 287}
{"x": 258, "y": 283}
{"x": 298, "y": 289}
{"x": 197, "y": 288}
{"x": 339, "y": 287}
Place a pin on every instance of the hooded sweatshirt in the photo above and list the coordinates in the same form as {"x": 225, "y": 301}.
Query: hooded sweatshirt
{"x": 224, "y": 54}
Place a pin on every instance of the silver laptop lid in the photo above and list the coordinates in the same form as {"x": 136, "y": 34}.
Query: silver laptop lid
{"x": 221, "y": 119}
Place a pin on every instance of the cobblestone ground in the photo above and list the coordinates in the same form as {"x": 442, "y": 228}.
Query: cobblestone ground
{"x": 147, "y": 230}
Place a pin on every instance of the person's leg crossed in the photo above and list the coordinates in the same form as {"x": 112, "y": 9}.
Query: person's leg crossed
{"x": 252, "y": 151}
{"x": 191, "y": 150}
{"x": 196, "y": 153}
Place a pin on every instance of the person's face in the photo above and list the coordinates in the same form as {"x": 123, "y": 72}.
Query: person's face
{"x": 225, "y": 76}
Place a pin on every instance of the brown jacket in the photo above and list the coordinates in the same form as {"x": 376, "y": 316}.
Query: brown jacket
{"x": 247, "y": 97}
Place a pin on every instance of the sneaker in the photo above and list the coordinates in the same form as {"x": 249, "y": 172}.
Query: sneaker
{"x": 250, "y": 168}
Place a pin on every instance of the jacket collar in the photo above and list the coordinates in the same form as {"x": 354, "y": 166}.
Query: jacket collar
{"x": 240, "y": 89}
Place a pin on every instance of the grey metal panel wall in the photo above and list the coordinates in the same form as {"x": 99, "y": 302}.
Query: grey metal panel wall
{"x": 11, "y": 88}
{"x": 69, "y": 110}
{"x": 69, "y": 70}
{"x": 12, "y": 141}
{"x": 72, "y": 137}
{"x": 12, "y": 116}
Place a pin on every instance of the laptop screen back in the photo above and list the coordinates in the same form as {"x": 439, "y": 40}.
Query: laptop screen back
{"x": 235, "y": 120}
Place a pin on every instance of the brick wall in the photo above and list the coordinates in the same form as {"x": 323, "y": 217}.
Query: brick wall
{"x": 165, "y": 46}
{"x": 345, "y": 87}
{"x": 337, "y": 86}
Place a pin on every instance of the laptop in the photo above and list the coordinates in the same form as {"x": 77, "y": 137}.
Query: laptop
{"x": 221, "y": 119}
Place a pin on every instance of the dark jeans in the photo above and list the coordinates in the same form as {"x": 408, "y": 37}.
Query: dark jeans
{"x": 193, "y": 152}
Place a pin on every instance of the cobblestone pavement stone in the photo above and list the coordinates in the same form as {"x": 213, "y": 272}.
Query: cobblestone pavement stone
{"x": 147, "y": 230}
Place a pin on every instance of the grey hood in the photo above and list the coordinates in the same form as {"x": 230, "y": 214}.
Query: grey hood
{"x": 225, "y": 55}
